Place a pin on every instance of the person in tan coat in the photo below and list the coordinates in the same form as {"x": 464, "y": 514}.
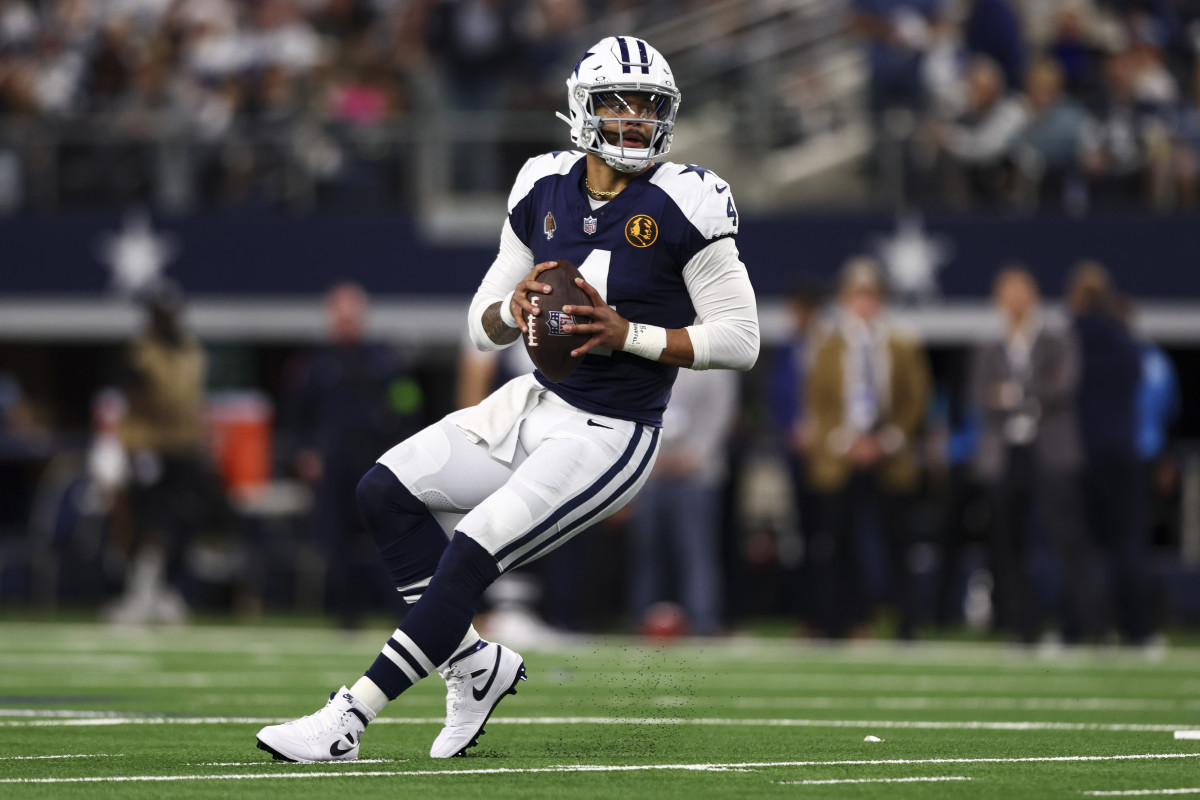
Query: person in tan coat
{"x": 867, "y": 394}
{"x": 173, "y": 491}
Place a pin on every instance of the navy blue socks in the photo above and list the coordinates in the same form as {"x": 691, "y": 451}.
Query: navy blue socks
{"x": 438, "y": 626}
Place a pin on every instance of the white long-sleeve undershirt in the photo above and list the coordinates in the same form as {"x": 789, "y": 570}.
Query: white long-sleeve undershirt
{"x": 725, "y": 336}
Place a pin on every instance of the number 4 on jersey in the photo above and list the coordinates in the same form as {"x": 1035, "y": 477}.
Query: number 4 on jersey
{"x": 594, "y": 270}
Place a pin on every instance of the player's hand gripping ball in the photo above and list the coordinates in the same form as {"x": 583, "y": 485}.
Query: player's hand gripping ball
{"x": 548, "y": 346}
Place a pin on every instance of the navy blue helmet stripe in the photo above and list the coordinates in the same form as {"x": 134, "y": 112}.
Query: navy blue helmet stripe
{"x": 645, "y": 58}
{"x": 412, "y": 662}
{"x": 576, "y": 501}
{"x": 624, "y": 53}
{"x": 587, "y": 520}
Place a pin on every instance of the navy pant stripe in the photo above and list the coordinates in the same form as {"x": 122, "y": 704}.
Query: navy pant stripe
{"x": 578, "y": 500}
{"x": 587, "y": 520}
{"x": 624, "y": 53}
{"x": 412, "y": 662}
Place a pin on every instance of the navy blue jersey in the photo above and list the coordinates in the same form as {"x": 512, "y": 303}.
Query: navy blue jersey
{"x": 633, "y": 249}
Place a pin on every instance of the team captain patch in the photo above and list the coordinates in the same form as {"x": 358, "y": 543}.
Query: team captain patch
{"x": 641, "y": 231}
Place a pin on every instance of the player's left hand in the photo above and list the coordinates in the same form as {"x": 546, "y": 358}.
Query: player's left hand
{"x": 607, "y": 328}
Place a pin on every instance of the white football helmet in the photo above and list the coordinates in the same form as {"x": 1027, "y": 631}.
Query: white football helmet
{"x": 609, "y": 70}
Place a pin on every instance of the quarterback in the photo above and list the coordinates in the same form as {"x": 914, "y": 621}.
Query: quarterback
{"x": 495, "y": 486}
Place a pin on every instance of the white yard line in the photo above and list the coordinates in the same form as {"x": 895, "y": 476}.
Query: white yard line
{"x": 68, "y": 755}
{"x": 972, "y": 703}
{"x": 55, "y": 713}
{"x": 590, "y": 768}
{"x": 1140, "y": 792}
{"x": 875, "y": 780}
{"x": 273, "y": 763}
{"x": 703, "y": 721}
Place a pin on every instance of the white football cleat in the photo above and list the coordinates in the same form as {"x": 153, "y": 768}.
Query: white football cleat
{"x": 331, "y": 734}
{"x": 475, "y": 685}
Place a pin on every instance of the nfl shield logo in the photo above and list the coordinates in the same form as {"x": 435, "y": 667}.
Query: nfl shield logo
{"x": 556, "y": 321}
{"x": 589, "y": 225}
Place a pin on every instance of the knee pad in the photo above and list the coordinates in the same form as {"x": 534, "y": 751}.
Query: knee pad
{"x": 466, "y": 567}
{"x": 380, "y": 492}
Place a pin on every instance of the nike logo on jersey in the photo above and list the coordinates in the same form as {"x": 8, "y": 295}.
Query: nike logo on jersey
{"x": 482, "y": 693}
{"x": 337, "y": 752}
{"x": 721, "y": 189}
{"x": 592, "y": 423}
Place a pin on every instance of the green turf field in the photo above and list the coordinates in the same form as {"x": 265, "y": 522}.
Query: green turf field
{"x": 93, "y": 711}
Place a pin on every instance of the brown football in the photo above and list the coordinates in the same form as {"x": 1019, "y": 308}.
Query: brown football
{"x": 547, "y": 345}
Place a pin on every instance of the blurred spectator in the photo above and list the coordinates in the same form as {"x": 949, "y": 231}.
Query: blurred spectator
{"x": 1048, "y": 150}
{"x": 477, "y": 42}
{"x": 993, "y": 29}
{"x": 1186, "y": 145}
{"x": 1110, "y": 377}
{"x": 1153, "y": 83}
{"x": 977, "y": 144}
{"x": 867, "y": 393}
{"x": 1158, "y": 408}
{"x": 1076, "y": 49}
{"x": 24, "y": 443}
{"x": 951, "y": 442}
{"x": 677, "y": 514}
{"x": 173, "y": 492}
{"x": 899, "y": 34}
{"x": 351, "y": 400}
{"x": 1126, "y": 141}
{"x": 1029, "y": 457}
{"x": 18, "y": 24}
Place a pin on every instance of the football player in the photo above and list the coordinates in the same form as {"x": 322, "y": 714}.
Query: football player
{"x": 537, "y": 462}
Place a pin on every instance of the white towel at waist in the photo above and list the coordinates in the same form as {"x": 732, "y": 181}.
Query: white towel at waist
{"x": 497, "y": 420}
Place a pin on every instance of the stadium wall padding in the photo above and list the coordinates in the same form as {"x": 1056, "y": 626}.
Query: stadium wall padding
{"x": 1151, "y": 256}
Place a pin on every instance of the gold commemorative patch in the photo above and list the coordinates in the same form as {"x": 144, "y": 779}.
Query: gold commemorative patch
{"x": 641, "y": 231}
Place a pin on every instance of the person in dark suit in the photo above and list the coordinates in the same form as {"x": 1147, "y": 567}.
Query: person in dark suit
{"x": 1110, "y": 377}
{"x": 345, "y": 398}
{"x": 1029, "y": 456}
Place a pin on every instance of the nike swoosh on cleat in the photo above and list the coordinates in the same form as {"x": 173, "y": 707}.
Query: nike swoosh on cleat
{"x": 479, "y": 695}
{"x": 594, "y": 424}
{"x": 336, "y": 752}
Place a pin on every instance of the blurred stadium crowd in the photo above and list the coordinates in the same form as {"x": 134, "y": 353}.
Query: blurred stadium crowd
{"x": 213, "y": 103}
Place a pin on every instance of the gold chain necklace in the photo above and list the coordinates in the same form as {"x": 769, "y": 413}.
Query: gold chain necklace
{"x": 597, "y": 192}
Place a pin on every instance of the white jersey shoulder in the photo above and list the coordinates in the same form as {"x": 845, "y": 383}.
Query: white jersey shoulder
{"x": 538, "y": 167}
{"x": 703, "y": 197}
